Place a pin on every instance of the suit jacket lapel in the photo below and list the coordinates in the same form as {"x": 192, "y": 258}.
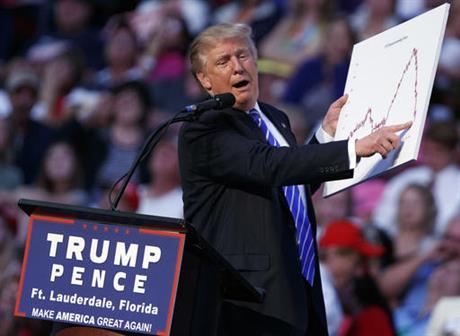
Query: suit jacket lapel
{"x": 244, "y": 122}
{"x": 280, "y": 124}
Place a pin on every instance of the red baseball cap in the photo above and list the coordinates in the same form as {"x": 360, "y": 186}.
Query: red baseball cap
{"x": 343, "y": 233}
{"x": 131, "y": 196}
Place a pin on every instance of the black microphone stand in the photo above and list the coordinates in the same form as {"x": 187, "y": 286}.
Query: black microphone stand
{"x": 147, "y": 147}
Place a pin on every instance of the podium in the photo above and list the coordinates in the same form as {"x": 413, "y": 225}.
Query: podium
{"x": 205, "y": 278}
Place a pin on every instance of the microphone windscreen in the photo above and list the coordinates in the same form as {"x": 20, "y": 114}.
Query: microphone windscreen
{"x": 225, "y": 100}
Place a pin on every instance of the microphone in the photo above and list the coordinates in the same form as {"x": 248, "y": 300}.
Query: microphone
{"x": 218, "y": 102}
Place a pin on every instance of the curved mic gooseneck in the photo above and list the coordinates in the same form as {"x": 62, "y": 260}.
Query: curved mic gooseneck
{"x": 189, "y": 113}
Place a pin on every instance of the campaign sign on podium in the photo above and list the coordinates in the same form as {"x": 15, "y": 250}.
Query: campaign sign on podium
{"x": 106, "y": 276}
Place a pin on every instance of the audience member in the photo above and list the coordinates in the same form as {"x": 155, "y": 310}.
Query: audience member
{"x": 438, "y": 171}
{"x": 10, "y": 175}
{"x": 126, "y": 131}
{"x": 262, "y": 15}
{"x": 412, "y": 276}
{"x": 122, "y": 52}
{"x": 295, "y": 39}
{"x": 165, "y": 30}
{"x": 365, "y": 197}
{"x": 9, "y": 253}
{"x": 163, "y": 195}
{"x": 348, "y": 257}
{"x": 88, "y": 115}
{"x": 414, "y": 240}
{"x": 373, "y": 17}
{"x": 298, "y": 35}
{"x": 72, "y": 22}
{"x": 30, "y": 138}
{"x": 416, "y": 215}
{"x": 449, "y": 60}
{"x": 149, "y": 14}
{"x": 167, "y": 49}
{"x": 11, "y": 325}
{"x": 321, "y": 79}
{"x": 8, "y": 290}
{"x": 451, "y": 238}
{"x": 334, "y": 311}
{"x": 10, "y": 268}
{"x": 59, "y": 180}
{"x": 61, "y": 75}
{"x": 164, "y": 56}
{"x": 444, "y": 282}
{"x": 67, "y": 24}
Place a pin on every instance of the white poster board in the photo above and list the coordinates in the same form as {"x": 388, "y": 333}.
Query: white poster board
{"x": 389, "y": 82}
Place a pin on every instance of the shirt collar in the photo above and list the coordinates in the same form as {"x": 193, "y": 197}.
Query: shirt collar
{"x": 257, "y": 108}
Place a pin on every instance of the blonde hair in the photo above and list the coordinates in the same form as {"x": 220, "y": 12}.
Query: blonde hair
{"x": 211, "y": 36}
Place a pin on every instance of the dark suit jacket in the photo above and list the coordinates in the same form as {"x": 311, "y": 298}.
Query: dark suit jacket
{"x": 232, "y": 182}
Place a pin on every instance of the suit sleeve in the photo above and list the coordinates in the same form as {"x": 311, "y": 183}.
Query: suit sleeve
{"x": 218, "y": 151}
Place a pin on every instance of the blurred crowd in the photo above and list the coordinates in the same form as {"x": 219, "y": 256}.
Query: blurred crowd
{"x": 83, "y": 82}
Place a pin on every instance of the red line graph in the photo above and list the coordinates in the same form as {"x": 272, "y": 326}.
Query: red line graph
{"x": 375, "y": 125}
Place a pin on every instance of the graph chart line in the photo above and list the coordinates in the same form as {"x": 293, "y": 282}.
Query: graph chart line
{"x": 368, "y": 117}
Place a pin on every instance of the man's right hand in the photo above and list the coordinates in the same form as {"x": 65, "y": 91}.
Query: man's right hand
{"x": 382, "y": 141}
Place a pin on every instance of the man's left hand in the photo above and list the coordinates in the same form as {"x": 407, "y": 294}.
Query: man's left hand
{"x": 332, "y": 115}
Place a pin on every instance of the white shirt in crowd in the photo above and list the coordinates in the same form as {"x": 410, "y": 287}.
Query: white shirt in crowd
{"x": 167, "y": 205}
{"x": 446, "y": 192}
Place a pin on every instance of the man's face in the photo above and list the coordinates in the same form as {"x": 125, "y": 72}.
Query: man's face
{"x": 450, "y": 243}
{"x": 22, "y": 100}
{"x": 436, "y": 156}
{"x": 231, "y": 67}
{"x": 343, "y": 264}
{"x": 446, "y": 279}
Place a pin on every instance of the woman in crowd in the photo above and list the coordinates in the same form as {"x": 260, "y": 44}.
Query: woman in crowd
{"x": 163, "y": 195}
{"x": 121, "y": 55}
{"x": 295, "y": 39}
{"x": 416, "y": 215}
{"x": 414, "y": 243}
{"x": 298, "y": 35}
{"x": 59, "y": 180}
{"x": 125, "y": 133}
{"x": 321, "y": 79}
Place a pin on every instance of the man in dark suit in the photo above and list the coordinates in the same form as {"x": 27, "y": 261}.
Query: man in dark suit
{"x": 236, "y": 165}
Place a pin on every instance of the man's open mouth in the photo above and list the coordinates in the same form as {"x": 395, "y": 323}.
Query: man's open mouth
{"x": 241, "y": 84}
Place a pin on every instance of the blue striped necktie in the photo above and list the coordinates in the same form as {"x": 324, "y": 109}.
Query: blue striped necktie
{"x": 298, "y": 210}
